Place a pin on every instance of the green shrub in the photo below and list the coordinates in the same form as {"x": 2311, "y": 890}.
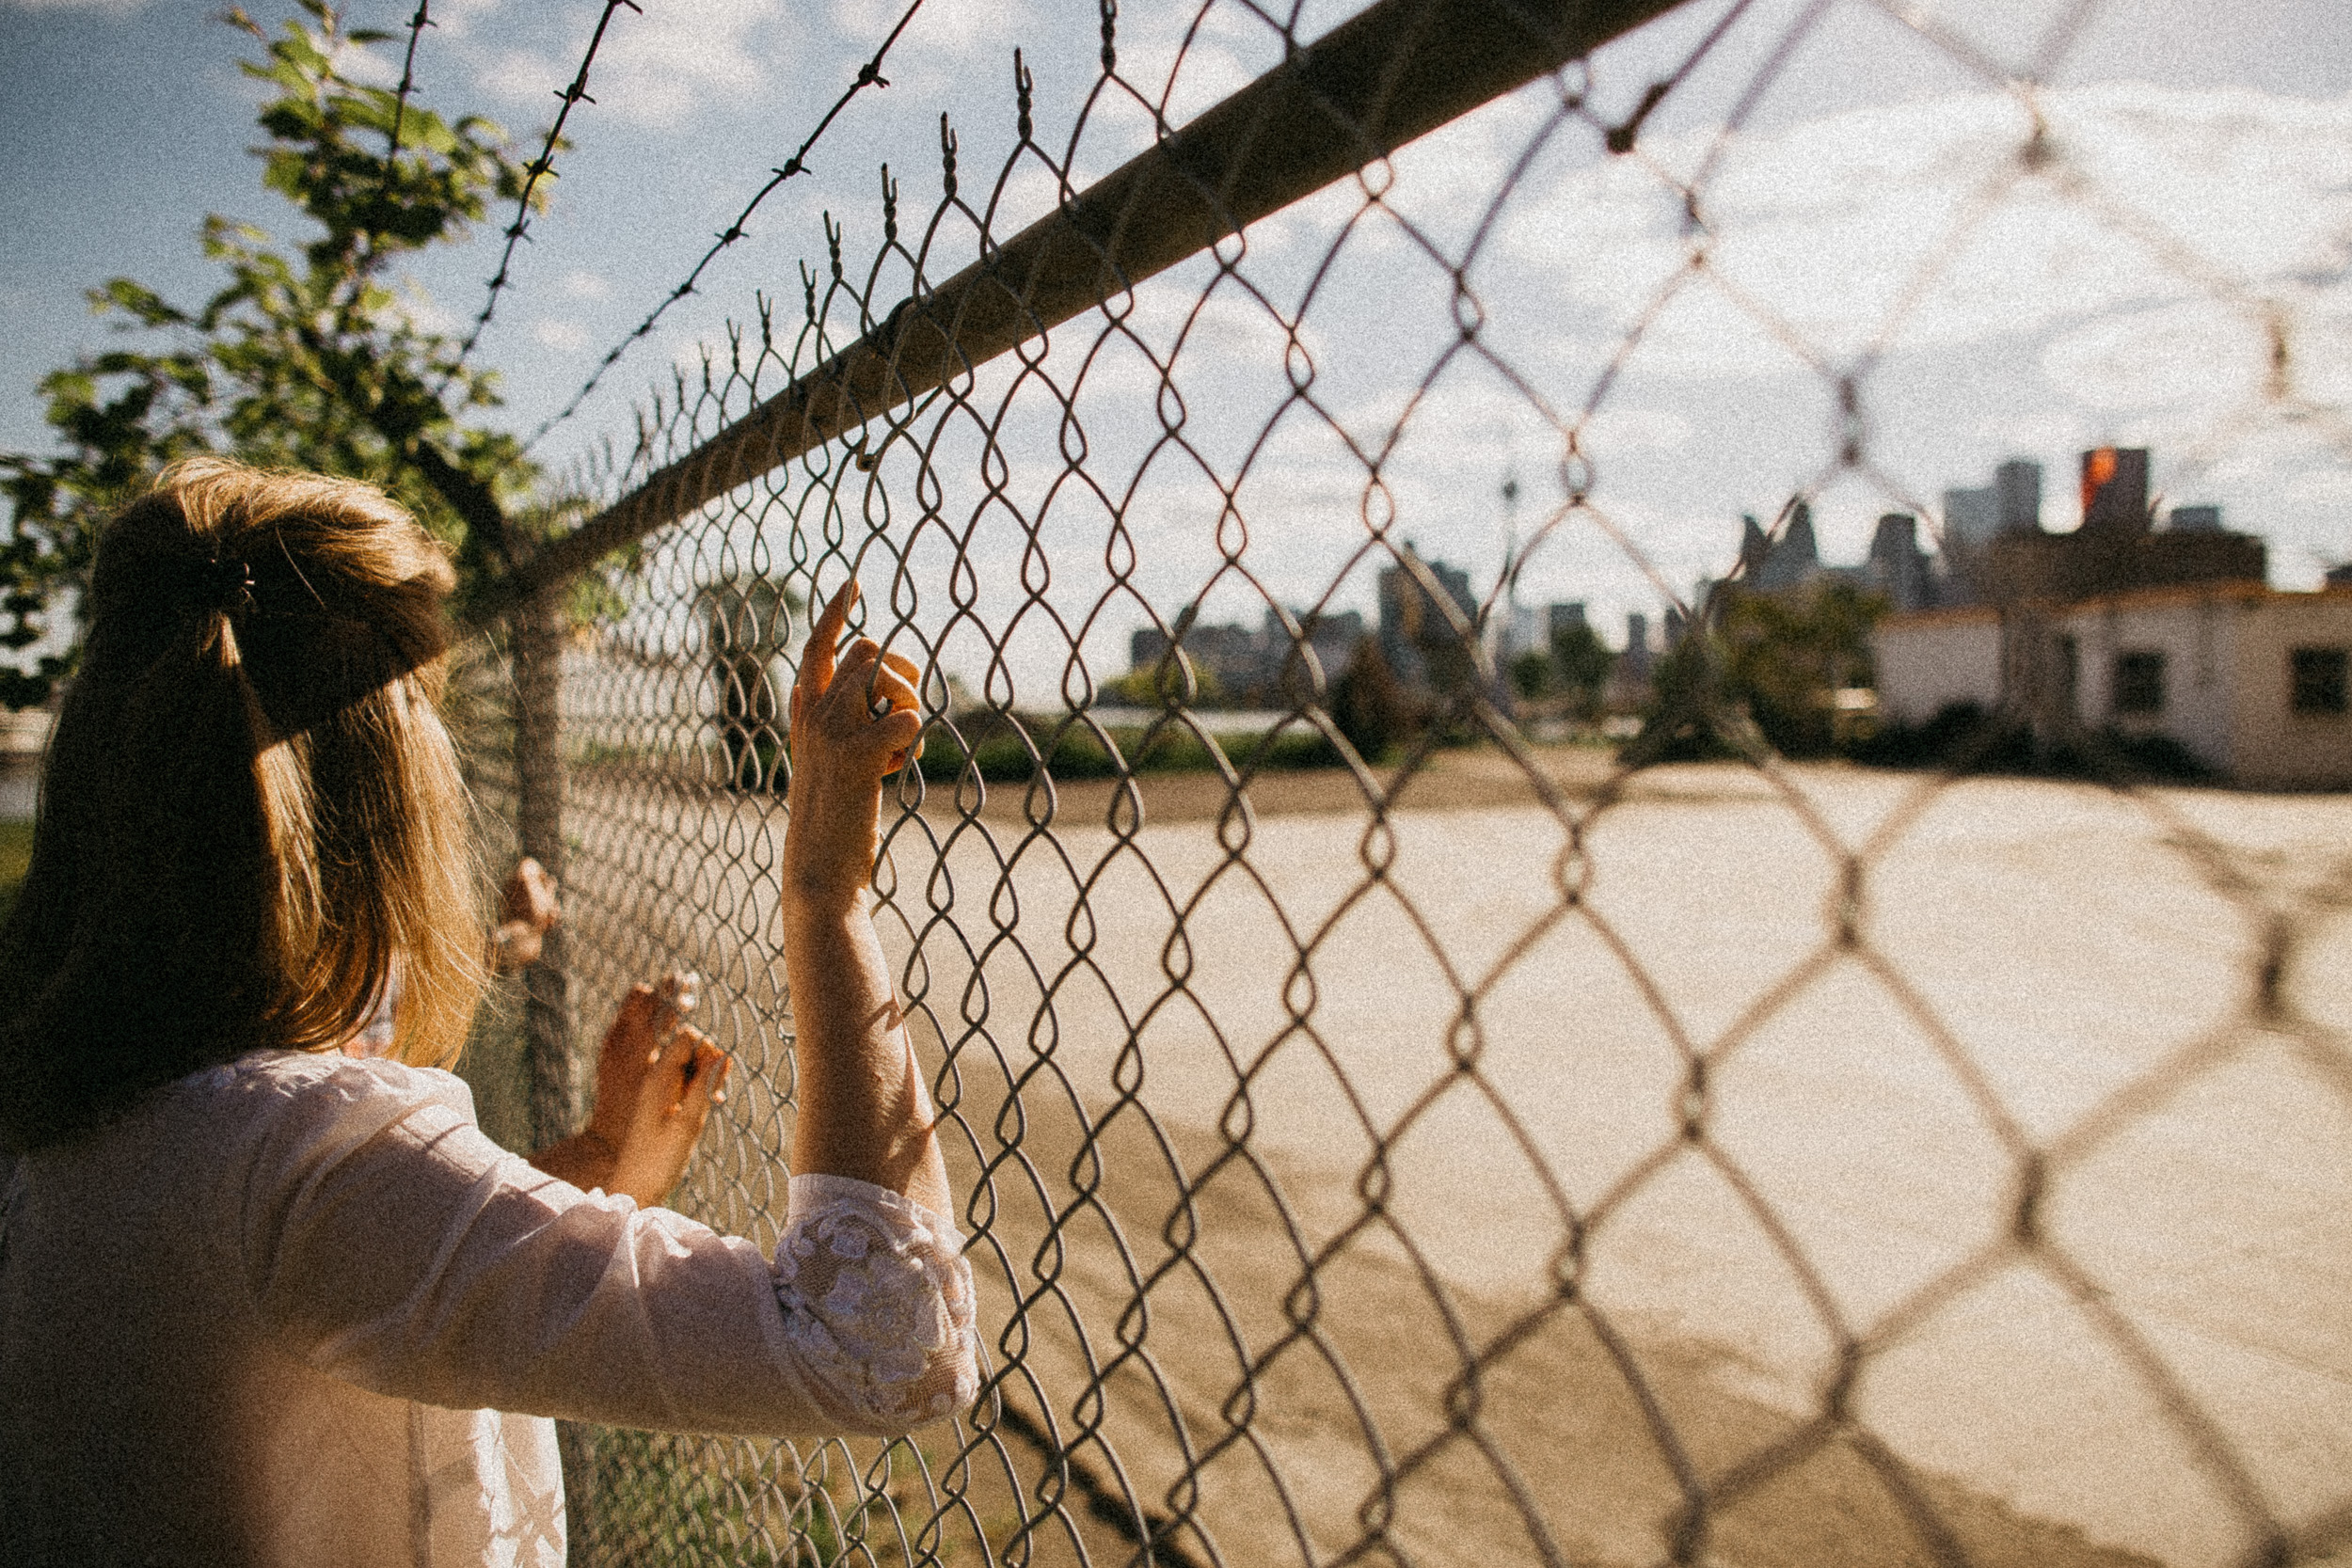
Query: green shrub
{"x": 1964, "y": 737}
{"x": 1008, "y": 748}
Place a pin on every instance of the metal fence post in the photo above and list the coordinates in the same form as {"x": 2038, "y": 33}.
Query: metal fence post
{"x": 552, "y": 1076}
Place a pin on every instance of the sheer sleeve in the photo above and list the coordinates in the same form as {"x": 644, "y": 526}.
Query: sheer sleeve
{"x": 879, "y": 1297}
{"x": 387, "y": 1242}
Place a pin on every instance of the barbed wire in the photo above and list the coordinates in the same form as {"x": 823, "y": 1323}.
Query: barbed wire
{"x": 416, "y": 25}
{"x": 869, "y": 75}
{"x": 1627, "y": 131}
{"x": 538, "y": 168}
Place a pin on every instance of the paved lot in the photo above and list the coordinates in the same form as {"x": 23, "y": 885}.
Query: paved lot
{"x": 2032, "y": 957}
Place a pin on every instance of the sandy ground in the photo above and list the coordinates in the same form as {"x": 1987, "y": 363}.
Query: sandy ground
{"x": 1494, "y": 1184}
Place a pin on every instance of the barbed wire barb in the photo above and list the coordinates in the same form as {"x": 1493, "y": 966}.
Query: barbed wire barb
{"x": 540, "y": 168}
{"x": 868, "y": 75}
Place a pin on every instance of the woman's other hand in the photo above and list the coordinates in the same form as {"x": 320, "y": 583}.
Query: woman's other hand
{"x": 527, "y": 908}
{"x": 656, "y": 1082}
{"x": 855, "y": 719}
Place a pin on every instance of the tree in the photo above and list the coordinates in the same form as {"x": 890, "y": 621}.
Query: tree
{"x": 1786, "y": 656}
{"x": 1164, "y": 685}
{"x": 1369, "y": 705}
{"x": 1584, "y": 662}
{"x": 1767, "y": 667}
{"x": 305, "y": 358}
{"x": 1532, "y": 674}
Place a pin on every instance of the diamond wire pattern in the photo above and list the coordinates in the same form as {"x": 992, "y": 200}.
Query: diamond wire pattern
{"x": 1181, "y": 1367}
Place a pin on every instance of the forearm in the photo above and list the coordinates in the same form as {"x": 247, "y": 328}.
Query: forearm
{"x": 584, "y": 1160}
{"x": 864, "y": 1110}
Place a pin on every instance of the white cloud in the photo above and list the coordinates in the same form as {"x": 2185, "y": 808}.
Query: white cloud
{"x": 425, "y": 314}
{"x": 560, "y": 334}
{"x": 1923, "y": 219}
{"x": 2047, "y": 429}
{"x": 961, "y": 29}
{"x": 375, "y": 65}
{"x": 657, "y": 66}
{"x": 1614, "y": 431}
{"x": 2199, "y": 355}
{"x": 580, "y": 283}
{"x": 2328, "y": 487}
{"x": 114, "y": 7}
{"x": 457, "y": 19}
{"x": 520, "y": 75}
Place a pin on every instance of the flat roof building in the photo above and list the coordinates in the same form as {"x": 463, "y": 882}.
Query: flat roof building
{"x": 2251, "y": 681}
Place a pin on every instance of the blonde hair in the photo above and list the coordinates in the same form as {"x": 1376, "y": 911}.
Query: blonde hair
{"x": 249, "y": 807}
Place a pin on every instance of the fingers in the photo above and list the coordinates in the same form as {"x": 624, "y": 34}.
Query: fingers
{"x": 671, "y": 999}
{"x": 636, "y": 1008}
{"x": 823, "y": 662}
{"x": 817, "y": 658}
{"x": 870, "y": 705}
{"x": 902, "y": 735}
{"x": 712, "y": 1065}
{"x": 873, "y": 680}
{"x": 860, "y": 693}
{"x": 530, "y": 894}
{"x": 690, "y": 1061}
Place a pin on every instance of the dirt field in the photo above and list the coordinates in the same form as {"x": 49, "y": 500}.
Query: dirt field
{"x": 1427, "y": 1188}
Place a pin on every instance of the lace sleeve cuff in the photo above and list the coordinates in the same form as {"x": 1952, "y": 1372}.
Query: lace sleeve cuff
{"x": 876, "y": 1301}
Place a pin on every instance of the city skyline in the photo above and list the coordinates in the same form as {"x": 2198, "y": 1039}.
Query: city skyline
{"x": 2044, "y": 326}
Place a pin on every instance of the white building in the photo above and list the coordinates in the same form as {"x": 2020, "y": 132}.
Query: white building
{"x": 2251, "y": 681}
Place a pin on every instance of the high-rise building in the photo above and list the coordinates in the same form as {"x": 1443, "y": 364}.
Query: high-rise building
{"x": 2017, "y": 495}
{"x": 1636, "y": 661}
{"x": 1793, "y": 561}
{"x": 1526, "y": 630}
{"x": 2196, "y": 519}
{"x": 2114, "y": 490}
{"x": 1417, "y": 636}
{"x": 1971, "y": 517}
{"x": 1897, "y": 567}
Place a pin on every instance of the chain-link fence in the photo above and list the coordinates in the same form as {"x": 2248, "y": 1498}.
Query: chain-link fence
{"x": 1415, "y": 1102}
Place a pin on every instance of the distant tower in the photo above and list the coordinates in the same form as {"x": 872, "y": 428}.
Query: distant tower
{"x": 1970, "y": 516}
{"x": 1796, "y": 560}
{"x": 1636, "y": 661}
{"x": 2115, "y": 489}
{"x": 1754, "y": 545}
{"x": 1897, "y": 567}
{"x": 2017, "y": 495}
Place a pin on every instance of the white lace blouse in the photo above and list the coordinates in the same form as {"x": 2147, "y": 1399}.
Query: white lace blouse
{"x": 298, "y": 1310}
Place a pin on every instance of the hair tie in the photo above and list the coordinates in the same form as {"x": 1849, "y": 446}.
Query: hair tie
{"x": 228, "y": 585}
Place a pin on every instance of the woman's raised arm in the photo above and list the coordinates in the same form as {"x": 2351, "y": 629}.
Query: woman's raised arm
{"x": 865, "y": 1110}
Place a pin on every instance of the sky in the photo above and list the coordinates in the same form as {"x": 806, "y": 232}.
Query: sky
{"x": 1872, "y": 221}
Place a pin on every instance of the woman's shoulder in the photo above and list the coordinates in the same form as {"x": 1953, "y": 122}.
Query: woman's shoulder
{"x": 273, "y": 1085}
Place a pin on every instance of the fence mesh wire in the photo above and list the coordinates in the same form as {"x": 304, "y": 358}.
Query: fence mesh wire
{"x": 1512, "y": 1147}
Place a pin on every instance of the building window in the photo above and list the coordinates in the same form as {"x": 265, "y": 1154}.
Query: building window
{"x": 2138, "y": 682}
{"x": 2318, "y": 680}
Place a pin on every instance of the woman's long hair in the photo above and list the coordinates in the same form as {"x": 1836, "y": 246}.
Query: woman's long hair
{"x": 249, "y": 807}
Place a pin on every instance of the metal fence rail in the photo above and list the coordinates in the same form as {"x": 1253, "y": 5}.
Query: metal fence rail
{"x": 1493, "y": 1150}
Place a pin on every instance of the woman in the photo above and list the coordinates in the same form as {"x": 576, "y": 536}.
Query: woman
{"x": 266, "y": 1301}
